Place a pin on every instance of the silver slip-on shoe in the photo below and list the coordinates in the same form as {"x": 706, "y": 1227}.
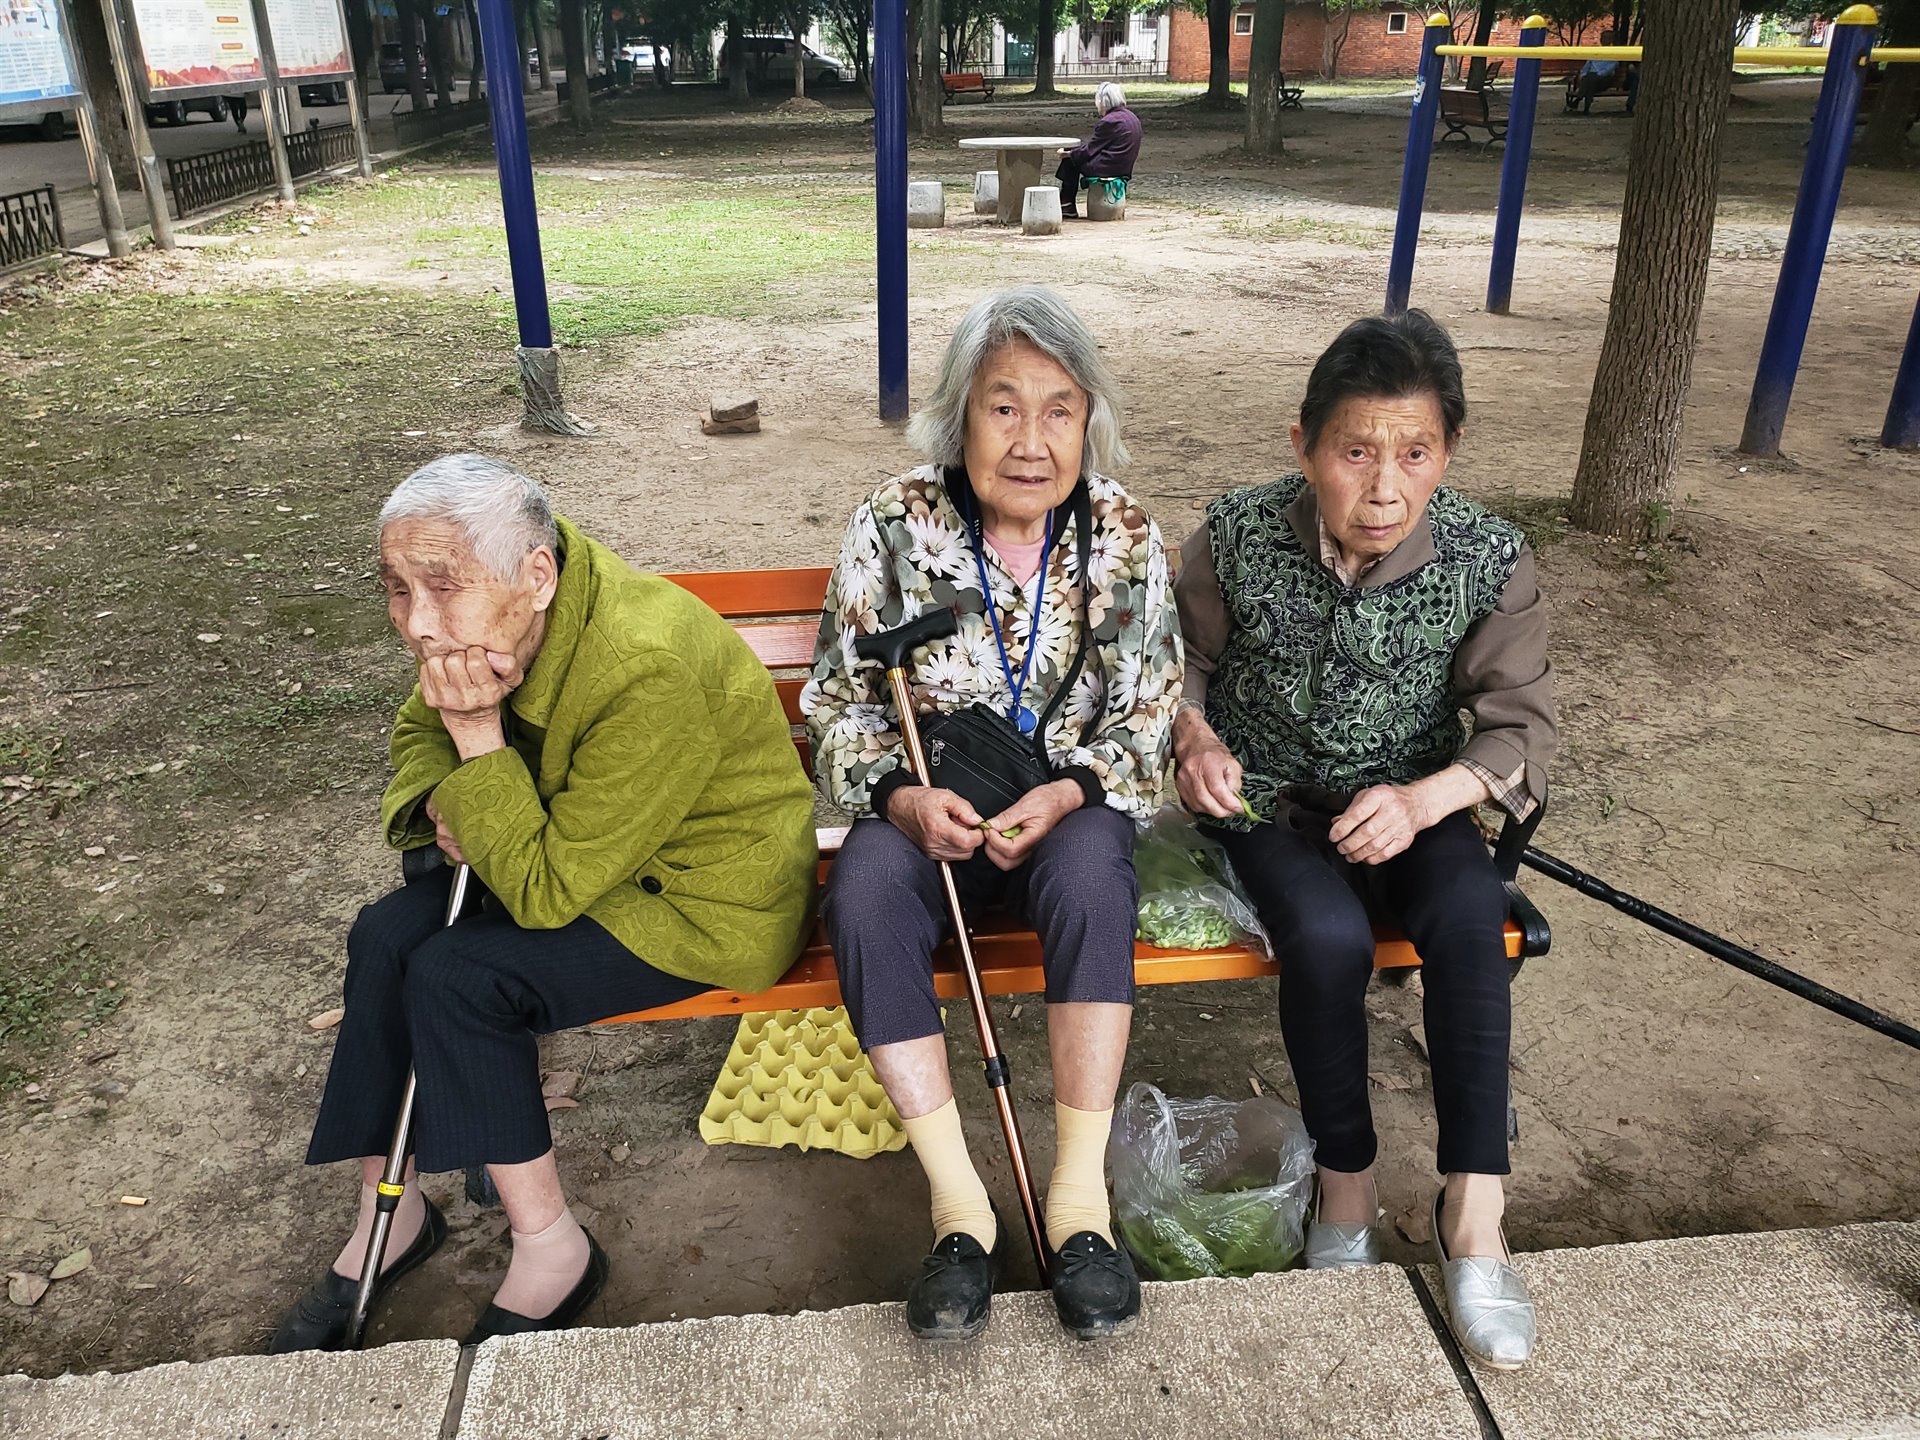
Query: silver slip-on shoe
{"x": 1488, "y": 1304}
{"x": 1339, "y": 1244}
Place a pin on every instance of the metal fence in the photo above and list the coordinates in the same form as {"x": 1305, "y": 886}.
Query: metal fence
{"x": 413, "y": 126}
{"x": 219, "y": 177}
{"x": 30, "y": 227}
{"x": 1076, "y": 73}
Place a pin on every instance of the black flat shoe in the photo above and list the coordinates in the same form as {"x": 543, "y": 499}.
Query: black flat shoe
{"x": 952, "y": 1296}
{"x": 319, "y": 1318}
{"x": 1095, "y": 1288}
{"x": 495, "y": 1321}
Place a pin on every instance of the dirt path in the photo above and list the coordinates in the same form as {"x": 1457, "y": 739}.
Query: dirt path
{"x": 1739, "y": 710}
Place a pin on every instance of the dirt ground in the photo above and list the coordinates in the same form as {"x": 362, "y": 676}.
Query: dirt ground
{"x": 1739, "y": 705}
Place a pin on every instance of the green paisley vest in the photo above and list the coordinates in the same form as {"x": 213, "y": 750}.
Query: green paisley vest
{"x": 1340, "y": 686}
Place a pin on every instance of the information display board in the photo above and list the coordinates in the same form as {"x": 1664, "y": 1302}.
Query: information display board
{"x": 34, "y": 65}
{"x": 309, "y": 41}
{"x": 196, "y": 47}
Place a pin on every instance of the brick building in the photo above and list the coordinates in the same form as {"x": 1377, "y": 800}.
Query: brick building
{"x": 1383, "y": 42}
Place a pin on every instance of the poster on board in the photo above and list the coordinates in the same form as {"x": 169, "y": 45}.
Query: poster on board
{"x": 33, "y": 56}
{"x": 196, "y": 46}
{"x": 309, "y": 42}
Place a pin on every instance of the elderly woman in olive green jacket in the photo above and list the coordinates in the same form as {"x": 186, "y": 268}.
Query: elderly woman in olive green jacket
{"x": 613, "y": 764}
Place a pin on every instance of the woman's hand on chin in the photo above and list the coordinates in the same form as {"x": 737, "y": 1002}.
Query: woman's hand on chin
{"x": 1012, "y": 834}
{"x": 468, "y": 688}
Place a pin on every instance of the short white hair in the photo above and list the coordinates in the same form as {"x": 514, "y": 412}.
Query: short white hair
{"x": 1109, "y": 97}
{"x": 503, "y": 515}
{"x": 1044, "y": 320}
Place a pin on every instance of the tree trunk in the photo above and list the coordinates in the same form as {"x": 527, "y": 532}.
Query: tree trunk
{"x": 1624, "y": 486}
{"x": 545, "y": 43}
{"x": 1482, "y": 34}
{"x": 926, "y": 95}
{"x": 524, "y": 32}
{"x": 1045, "y": 38}
{"x": 1219, "y": 52}
{"x": 410, "y": 53}
{"x": 1885, "y": 141}
{"x": 736, "y": 59}
{"x": 573, "y": 37}
{"x": 1332, "y": 42}
{"x": 1263, "y": 78}
{"x": 365, "y": 44}
{"x": 96, "y": 64}
{"x": 439, "y": 61}
{"x": 477, "y": 70}
{"x": 800, "y": 62}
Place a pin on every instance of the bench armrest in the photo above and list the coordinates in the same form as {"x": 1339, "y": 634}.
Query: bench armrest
{"x": 1514, "y": 837}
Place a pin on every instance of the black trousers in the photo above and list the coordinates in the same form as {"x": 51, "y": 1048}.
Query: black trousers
{"x": 462, "y": 1005}
{"x": 1443, "y": 892}
{"x": 885, "y": 911}
{"x": 1069, "y": 175}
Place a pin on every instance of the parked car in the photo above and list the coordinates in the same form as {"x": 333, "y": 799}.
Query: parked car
{"x": 324, "y": 92}
{"x": 175, "y": 112}
{"x": 393, "y": 68}
{"x": 770, "y": 60}
{"x": 54, "y": 125}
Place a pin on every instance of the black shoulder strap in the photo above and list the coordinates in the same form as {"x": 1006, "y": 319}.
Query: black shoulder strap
{"x": 1083, "y": 548}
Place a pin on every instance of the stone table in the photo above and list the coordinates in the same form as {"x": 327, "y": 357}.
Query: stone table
{"x": 1021, "y": 161}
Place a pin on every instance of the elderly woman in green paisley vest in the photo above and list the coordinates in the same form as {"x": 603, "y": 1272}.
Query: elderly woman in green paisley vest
{"x": 1338, "y": 622}
{"x": 613, "y": 764}
{"x": 1067, "y": 637}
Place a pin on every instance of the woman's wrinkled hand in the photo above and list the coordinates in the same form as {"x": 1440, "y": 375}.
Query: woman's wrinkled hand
{"x": 468, "y": 688}
{"x": 1012, "y": 834}
{"x": 939, "y": 822}
{"x": 1379, "y": 824}
{"x": 1205, "y": 772}
{"x": 443, "y": 837}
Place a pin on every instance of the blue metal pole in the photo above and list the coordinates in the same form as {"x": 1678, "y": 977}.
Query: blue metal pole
{"x": 890, "y": 200}
{"x": 1807, "y": 236}
{"x": 1902, "y": 430}
{"x": 500, "y": 52}
{"x": 1413, "y": 173}
{"x": 1513, "y": 168}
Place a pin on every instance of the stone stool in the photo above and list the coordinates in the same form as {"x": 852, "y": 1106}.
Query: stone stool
{"x": 986, "y": 192}
{"x": 1101, "y": 207}
{"x": 1040, "y": 212}
{"x": 926, "y": 205}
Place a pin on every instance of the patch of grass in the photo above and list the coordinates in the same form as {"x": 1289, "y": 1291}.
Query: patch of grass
{"x": 25, "y": 754}
{"x": 1308, "y": 227}
{"x": 1542, "y": 518}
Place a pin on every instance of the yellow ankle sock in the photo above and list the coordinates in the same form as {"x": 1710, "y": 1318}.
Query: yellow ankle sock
{"x": 959, "y": 1199}
{"x": 1077, "y": 1193}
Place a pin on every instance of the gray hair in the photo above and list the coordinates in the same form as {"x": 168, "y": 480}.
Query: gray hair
{"x": 1044, "y": 320}
{"x": 1109, "y": 97}
{"x": 503, "y": 514}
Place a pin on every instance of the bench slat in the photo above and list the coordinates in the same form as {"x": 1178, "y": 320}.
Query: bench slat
{"x": 1009, "y": 960}
{"x": 759, "y": 594}
{"x": 786, "y": 645}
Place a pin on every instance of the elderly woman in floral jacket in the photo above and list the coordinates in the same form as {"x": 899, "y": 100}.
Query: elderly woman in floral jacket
{"x": 1019, "y": 430}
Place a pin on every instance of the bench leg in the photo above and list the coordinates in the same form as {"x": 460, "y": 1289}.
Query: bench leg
{"x": 480, "y": 1188}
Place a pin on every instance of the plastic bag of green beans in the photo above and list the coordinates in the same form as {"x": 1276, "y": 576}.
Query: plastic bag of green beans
{"x": 1211, "y": 1186}
{"x": 1189, "y": 899}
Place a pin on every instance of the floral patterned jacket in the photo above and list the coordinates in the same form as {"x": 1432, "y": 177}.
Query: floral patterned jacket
{"x": 909, "y": 549}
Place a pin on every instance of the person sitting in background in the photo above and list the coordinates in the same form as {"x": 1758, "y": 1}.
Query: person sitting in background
{"x": 613, "y": 763}
{"x": 1108, "y": 154}
{"x": 1596, "y": 77}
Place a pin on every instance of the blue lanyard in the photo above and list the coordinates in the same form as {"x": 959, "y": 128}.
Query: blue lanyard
{"x": 1022, "y": 716}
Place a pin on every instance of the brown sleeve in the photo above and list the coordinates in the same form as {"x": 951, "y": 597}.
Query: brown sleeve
{"x": 1505, "y": 682}
{"x": 1203, "y": 612}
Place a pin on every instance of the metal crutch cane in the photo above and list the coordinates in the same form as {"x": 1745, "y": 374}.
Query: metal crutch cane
{"x": 390, "y": 1187}
{"x": 890, "y": 648}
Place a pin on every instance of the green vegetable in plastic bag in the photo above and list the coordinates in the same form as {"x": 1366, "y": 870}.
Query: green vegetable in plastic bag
{"x": 1209, "y": 1187}
{"x": 1188, "y": 897}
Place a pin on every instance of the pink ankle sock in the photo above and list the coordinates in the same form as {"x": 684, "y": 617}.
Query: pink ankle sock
{"x": 407, "y": 1222}
{"x": 545, "y": 1267}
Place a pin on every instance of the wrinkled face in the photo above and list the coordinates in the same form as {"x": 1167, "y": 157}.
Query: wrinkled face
{"x": 1026, "y": 428}
{"x": 1374, "y": 469}
{"x": 441, "y": 599}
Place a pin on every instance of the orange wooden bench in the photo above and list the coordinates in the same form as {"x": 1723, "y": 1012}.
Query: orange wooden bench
{"x": 777, "y": 612}
{"x": 969, "y": 82}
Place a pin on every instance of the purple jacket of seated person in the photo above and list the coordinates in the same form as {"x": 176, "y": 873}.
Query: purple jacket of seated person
{"x": 1112, "y": 148}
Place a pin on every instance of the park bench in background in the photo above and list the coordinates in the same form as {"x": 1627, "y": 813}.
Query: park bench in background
{"x": 1464, "y": 110}
{"x": 967, "y": 83}
{"x": 1614, "y": 85}
{"x": 1290, "y": 95}
{"x": 777, "y": 612}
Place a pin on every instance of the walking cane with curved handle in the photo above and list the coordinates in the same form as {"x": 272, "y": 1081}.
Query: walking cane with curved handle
{"x": 890, "y": 649}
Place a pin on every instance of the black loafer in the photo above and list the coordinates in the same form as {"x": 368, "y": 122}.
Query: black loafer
{"x": 319, "y": 1318}
{"x": 952, "y": 1296}
{"x": 495, "y": 1321}
{"x": 1095, "y": 1288}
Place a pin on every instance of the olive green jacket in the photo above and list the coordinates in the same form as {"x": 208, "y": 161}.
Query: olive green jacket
{"x": 650, "y": 783}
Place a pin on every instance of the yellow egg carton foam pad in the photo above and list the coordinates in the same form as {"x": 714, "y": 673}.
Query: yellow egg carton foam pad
{"x": 798, "y": 1077}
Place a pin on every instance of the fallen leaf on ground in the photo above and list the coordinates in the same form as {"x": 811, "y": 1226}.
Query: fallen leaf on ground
{"x": 1415, "y": 1224}
{"x": 25, "y": 1289}
{"x": 561, "y": 1102}
{"x": 1388, "y": 1082}
{"x": 1418, "y": 1034}
{"x": 327, "y": 1019}
{"x": 133, "y": 1199}
{"x": 208, "y": 637}
{"x": 94, "y": 852}
{"x": 1253, "y": 1082}
{"x": 559, "y": 1083}
{"x": 73, "y": 1264}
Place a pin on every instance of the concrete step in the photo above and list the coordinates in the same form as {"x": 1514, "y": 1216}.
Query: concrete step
{"x": 1804, "y": 1333}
